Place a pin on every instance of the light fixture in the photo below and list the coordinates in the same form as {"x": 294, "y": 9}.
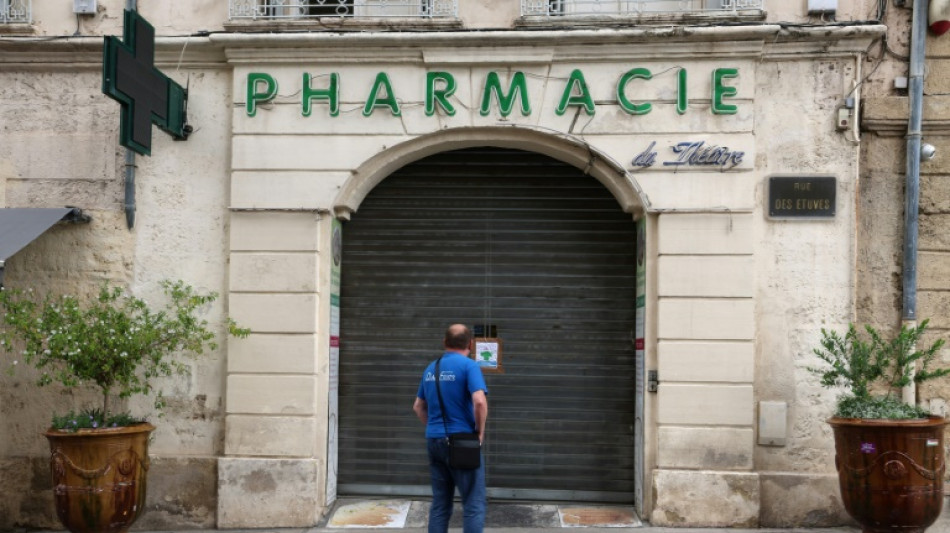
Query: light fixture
{"x": 927, "y": 151}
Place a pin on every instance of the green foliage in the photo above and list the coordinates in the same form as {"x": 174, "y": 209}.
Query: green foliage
{"x": 878, "y": 407}
{"x": 115, "y": 342}
{"x": 92, "y": 419}
{"x": 862, "y": 363}
{"x": 854, "y": 362}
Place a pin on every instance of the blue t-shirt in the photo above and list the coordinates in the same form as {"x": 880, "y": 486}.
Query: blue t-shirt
{"x": 461, "y": 377}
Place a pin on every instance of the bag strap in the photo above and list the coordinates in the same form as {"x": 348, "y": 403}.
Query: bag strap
{"x": 438, "y": 390}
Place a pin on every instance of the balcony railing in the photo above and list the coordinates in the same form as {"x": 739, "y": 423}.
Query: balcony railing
{"x": 16, "y": 11}
{"x": 312, "y": 9}
{"x": 560, "y": 8}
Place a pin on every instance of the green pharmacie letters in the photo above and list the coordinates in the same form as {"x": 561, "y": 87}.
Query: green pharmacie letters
{"x": 262, "y": 88}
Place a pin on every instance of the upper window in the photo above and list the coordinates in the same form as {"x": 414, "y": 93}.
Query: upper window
{"x": 556, "y": 8}
{"x": 15, "y": 11}
{"x": 312, "y": 9}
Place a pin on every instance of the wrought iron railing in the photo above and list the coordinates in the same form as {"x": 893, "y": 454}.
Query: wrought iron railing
{"x": 311, "y": 9}
{"x": 560, "y": 8}
{"x": 16, "y": 11}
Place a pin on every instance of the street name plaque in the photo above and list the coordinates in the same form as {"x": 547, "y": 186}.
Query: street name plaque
{"x": 802, "y": 197}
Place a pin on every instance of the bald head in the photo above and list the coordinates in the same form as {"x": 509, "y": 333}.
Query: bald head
{"x": 458, "y": 337}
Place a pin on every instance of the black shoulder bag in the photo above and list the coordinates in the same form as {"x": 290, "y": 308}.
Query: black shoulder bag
{"x": 465, "y": 450}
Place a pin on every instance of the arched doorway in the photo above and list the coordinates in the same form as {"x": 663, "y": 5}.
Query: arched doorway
{"x": 531, "y": 246}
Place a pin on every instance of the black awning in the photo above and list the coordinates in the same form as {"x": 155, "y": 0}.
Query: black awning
{"x": 19, "y": 226}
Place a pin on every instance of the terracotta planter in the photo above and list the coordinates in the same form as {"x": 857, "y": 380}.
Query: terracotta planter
{"x": 891, "y": 472}
{"x": 99, "y": 477}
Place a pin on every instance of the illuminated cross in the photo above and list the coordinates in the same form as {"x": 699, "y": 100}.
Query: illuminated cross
{"x": 147, "y": 96}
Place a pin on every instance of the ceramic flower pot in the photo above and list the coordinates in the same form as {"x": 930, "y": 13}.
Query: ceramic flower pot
{"x": 891, "y": 471}
{"x": 99, "y": 477}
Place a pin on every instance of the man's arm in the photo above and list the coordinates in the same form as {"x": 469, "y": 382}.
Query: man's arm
{"x": 422, "y": 410}
{"x": 480, "y": 402}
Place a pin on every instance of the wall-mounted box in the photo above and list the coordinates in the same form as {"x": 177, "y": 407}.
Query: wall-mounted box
{"x": 84, "y": 7}
{"x": 773, "y": 421}
{"x": 822, "y": 6}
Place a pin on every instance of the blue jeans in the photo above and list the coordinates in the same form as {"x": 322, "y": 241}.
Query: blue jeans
{"x": 471, "y": 485}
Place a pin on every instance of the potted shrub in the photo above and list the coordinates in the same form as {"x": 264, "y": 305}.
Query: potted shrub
{"x": 119, "y": 344}
{"x": 889, "y": 455}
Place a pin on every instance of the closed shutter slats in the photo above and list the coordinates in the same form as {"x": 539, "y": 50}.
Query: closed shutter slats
{"x": 518, "y": 240}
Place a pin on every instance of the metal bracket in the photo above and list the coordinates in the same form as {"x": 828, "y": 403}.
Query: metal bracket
{"x": 186, "y": 128}
{"x": 76, "y": 216}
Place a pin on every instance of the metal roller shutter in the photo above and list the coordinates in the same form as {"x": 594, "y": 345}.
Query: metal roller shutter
{"x": 509, "y": 238}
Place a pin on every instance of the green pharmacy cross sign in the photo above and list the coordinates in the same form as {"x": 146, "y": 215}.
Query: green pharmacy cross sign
{"x": 147, "y": 96}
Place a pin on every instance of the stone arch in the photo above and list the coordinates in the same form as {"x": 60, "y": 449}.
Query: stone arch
{"x": 568, "y": 149}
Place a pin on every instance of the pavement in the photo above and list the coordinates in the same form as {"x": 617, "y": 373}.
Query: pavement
{"x": 410, "y": 516}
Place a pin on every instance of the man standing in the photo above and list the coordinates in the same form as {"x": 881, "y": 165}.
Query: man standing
{"x": 466, "y": 411}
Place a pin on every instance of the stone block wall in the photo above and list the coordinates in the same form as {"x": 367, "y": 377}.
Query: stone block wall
{"x": 881, "y": 204}
{"x": 58, "y": 147}
{"x": 934, "y": 225}
{"x": 706, "y": 354}
{"x": 804, "y": 282}
{"x": 52, "y": 158}
{"x": 275, "y": 438}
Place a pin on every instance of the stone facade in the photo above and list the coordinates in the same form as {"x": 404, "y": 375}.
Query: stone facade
{"x": 883, "y": 160}
{"x": 735, "y": 300}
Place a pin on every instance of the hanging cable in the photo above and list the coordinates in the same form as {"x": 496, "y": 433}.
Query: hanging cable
{"x": 488, "y": 275}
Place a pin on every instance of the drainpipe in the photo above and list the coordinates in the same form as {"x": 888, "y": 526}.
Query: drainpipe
{"x": 918, "y": 38}
{"x": 130, "y": 165}
{"x": 129, "y": 188}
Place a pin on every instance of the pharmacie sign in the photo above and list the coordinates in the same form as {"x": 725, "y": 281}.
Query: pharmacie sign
{"x": 505, "y": 96}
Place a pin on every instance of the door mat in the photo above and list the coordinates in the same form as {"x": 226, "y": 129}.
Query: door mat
{"x": 594, "y": 516}
{"x": 371, "y": 514}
